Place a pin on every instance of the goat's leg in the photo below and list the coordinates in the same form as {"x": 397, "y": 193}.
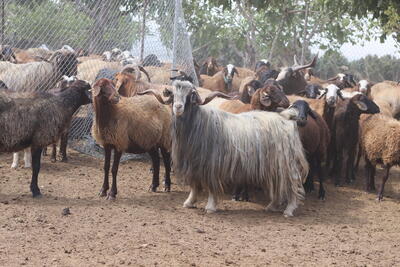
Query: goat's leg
{"x": 63, "y": 147}
{"x": 384, "y": 179}
{"x": 113, "y": 192}
{"x": 274, "y": 205}
{"x": 155, "y": 158}
{"x": 107, "y": 159}
{"x": 54, "y": 152}
{"x": 370, "y": 178}
{"x": 211, "y": 206}
{"x": 292, "y": 205}
{"x": 321, "y": 193}
{"x": 15, "y": 162}
{"x": 167, "y": 165}
{"x": 36, "y": 156}
{"x": 27, "y": 158}
{"x": 191, "y": 200}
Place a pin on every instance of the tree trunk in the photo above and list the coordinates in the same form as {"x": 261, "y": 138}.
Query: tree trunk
{"x": 305, "y": 33}
{"x": 143, "y": 30}
{"x": 103, "y": 16}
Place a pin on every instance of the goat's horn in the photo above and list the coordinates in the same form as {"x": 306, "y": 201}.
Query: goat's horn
{"x": 311, "y": 64}
{"x": 156, "y": 95}
{"x": 145, "y": 72}
{"x": 321, "y": 96}
{"x": 214, "y": 95}
{"x": 295, "y": 60}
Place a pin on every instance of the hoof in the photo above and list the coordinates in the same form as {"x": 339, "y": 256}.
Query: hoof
{"x": 110, "y": 196}
{"x": 64, "y": 160}
{"x": 14, "y": 167}
{"x": 189, "y": 205}
{"x": 287, "y": 214}
{"x": 153, "y": 188}
{"x": 103, "y": 193}
{"x": 210, "y": 210}
{"x": 167, "y": 188}
{"x": 379, "y": 199}
{"x": 36, "y": 194}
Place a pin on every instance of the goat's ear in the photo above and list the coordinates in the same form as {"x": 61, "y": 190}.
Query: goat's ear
{"x": 195, "y": 98}
{"x": 250, "y": 90}
{"x": 312, "y": 114}
{"x": 361, "y": 105}
{"x": 96, "y": 90}
{"x": 236, "y": 71}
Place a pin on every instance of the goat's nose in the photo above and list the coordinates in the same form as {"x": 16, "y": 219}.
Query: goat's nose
{"x": 178, "y": 106}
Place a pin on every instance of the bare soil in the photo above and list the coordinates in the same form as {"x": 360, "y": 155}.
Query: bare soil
{"x": 142, "y": 228}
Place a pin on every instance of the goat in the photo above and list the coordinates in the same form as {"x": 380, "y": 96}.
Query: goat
{"x": 134, "y": 125}
{"x": 291, "y": 79}
{"x": 380, "y": 144}
{"x": 315, "y": 137}
{"x": 209, "y": 67}
{"x": 128, "y": 83}
{"x": 36, "y": 120}
{"x": 345, "y": 134}
{"x": 264, "y": 75}
{"x": 221, "y": 81}
{"x": 40, "y": 76}
{"x": 213, "y": 148}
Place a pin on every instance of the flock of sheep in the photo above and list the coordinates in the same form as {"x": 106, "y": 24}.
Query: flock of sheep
{"x": 240, "y": 130}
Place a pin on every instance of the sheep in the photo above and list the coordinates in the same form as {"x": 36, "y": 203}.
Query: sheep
{"x": 7, "y": 54}
{"x": 36, "y": 120}
{"x": 209, "y": 67}
{"x": 128, "y": 83}
{"x": 315, "y": 137}
{"x": 291, "y": 79}
{"x": 213, "y": 148}
{"x": 249, "y": 86}
{"x": 380, "y": 143}
{"x": 151, "y": 60}
{"x": 262, "y": 64}
{"x": 387, "y": 95}
{"x": 33, "y": 55}
{"x": 345, "y": 133}
{"x": 67, "y": 47}
{"x": 221, "y": 81}
{"x": 107, "y": 56}
{"x": 311, "y": 91}
{"x": 267, "y": 98}
{"x": 40, "y": 76}
{"x": 134, "y": 125}
{"x": 241, "y": 74}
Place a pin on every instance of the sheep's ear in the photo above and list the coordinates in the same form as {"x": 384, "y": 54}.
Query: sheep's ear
{"x": 251, "y": 90}
{"x": 96, "y": 90}
{"x": 361, "y": 105}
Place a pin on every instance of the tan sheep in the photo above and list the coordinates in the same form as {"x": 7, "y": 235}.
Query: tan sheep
{"x": 387, "y": 95}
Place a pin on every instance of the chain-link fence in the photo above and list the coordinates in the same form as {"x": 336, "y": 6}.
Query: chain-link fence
{"x": 99, "y": 36}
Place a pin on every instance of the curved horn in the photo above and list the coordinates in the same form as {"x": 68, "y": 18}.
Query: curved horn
{"x": 157, "y": 96}
{"x": 295, "y": 60}
{"x": 145, "y": 72}
{"x": 321, "y": 96}
{"x": 311, "y": 64}
{"x": 214, "y": 95}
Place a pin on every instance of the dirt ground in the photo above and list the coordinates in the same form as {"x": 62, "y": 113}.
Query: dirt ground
{"x": 142, "y": 228}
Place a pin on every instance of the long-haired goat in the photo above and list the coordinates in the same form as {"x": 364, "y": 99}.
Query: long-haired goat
{"x": 213, "y": 148}
{"x": 40, "y": 76}
{"x": 36, "y": 120}
{"x": 130, "y": 124}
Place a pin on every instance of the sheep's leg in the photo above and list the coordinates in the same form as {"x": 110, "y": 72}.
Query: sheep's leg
{"x": 63, "y": 147}
{"x": 359, "y": 153}
{"x": 321, "y": 193}
{"x": 36, "y": 156}
{"x": 54, "y": 152}
{"x": 292, "y": 205}
{"x": 338, "y": 168}
{"x": 44, "y": 153}
{"x": 236, "y": 192}
{"x": 27, "y": 158}
{"x": 14, "y": 164}
{"x": 191, "y": 200}
{"x": 155, "y": 158}
{"x": 167, "y": 165}
{"x": 370, "y": 178}
{"x": 107, "y": 159}
{"x": 384, "y": 180}
{"x": 113, "y": 192}
{"x": 350, "y": 167}
{"x": 309, "y": 184}
{"x": 211, "y": 206}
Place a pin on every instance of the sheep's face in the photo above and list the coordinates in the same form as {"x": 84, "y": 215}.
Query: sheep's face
{"x": 364, "y": 104}
{"x": 364, "y": 86}
{"x": 104, "y": 90}
{"x": 332, "y": 93}
{"x": 272, "y": 97}
{"x": 312, "y": 91}
{"x": 301, "y": 110}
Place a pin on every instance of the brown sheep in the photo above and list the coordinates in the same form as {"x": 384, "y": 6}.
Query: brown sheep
{"x": 315, "y": 137}
{"x": 136, "y": 125}
{"x": 128, "y": 83}
{"x": 380, "y": 143}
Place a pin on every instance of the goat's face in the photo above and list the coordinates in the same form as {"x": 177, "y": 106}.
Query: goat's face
{"x": 364, "y": 104}
{"x": 104, "y": 89}
{"x": 312, "y": 90}
{"x": 364, "y": 87}
{"x": 332, "y": 93}
{"x": 229, "y": 72}
{"x": 272, "y": 97}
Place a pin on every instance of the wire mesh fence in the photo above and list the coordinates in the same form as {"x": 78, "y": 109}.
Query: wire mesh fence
{"x": 43, "y": 40}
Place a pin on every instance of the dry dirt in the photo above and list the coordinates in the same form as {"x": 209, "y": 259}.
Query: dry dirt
{"x": 142, "y": 228}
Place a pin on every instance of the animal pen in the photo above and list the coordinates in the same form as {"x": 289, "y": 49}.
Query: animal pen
{"x": 153, "y": 31}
